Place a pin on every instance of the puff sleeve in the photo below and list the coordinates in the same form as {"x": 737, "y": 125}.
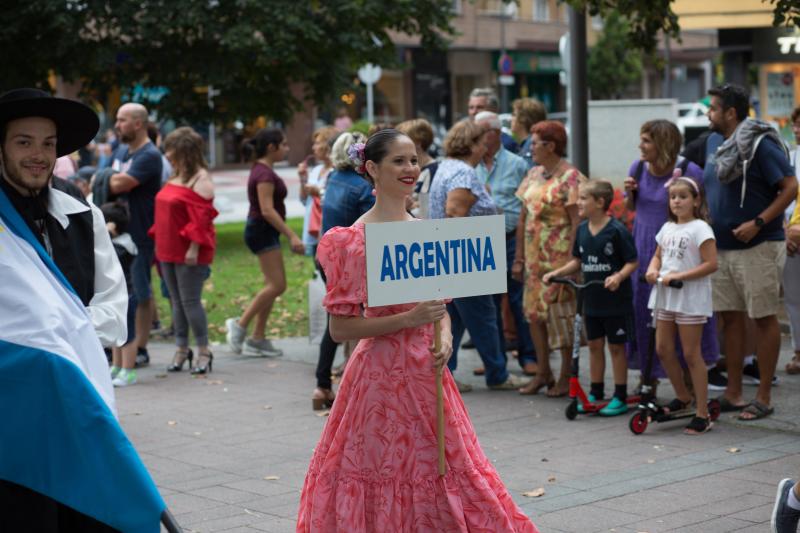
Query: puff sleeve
{"x": 341, "y": 255}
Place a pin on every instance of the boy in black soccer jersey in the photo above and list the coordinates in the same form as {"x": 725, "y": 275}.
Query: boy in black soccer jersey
{"x": 604, "y": 250}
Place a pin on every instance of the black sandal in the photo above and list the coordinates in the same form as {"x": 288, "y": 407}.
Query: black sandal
{"x": 676, "y": 405}
{"x": 697, "y": 426}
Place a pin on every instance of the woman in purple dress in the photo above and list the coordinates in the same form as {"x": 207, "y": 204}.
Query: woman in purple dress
{"x": 660, "y": 142}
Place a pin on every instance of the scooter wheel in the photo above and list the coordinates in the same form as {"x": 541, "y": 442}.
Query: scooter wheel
{"x": 572, "y": 410}
{"x": 714, "y": 409}
{"x": 638, "y": 423}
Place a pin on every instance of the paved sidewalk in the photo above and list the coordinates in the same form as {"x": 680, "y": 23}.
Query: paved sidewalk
{"x": 229, "y": 452}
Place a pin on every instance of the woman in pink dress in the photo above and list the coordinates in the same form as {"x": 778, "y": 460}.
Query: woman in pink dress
{"x": 375, "y": 466}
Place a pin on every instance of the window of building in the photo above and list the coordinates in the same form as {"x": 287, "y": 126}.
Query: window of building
{"x": 497, "y": 7}
{"x": 541, "y": 10}
{"x": 457, "y": 7}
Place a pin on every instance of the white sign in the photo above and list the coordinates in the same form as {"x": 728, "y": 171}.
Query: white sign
{"x": 369, "y": 74}
{"x": 435, "y": 259}
{"x": 789, "y": 44}
{"x": 505, "y": 79}
{"x": 780, "y": 94}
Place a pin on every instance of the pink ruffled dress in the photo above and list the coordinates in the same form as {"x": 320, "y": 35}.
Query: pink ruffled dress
{"x": 375, "y": 467}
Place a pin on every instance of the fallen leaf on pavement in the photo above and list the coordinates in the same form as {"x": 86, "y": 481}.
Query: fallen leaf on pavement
{"x": 214, "y": 382}
{"x": 733, "y": 450}
{"x": 272, "y": 478}
{"x": 248, "y": 511}
{"x": 272, "y": 365}
{"x": 535, "y": 493}
{"x": 171, "y": 423}
{"x": 544, "y": 459}
{"x": 323, "y": 413}
{"x": 267, "y": 407}
{"x": 551, "y": 479}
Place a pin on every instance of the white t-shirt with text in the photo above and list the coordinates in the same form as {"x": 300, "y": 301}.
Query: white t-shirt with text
{"x": 680, "y": 251}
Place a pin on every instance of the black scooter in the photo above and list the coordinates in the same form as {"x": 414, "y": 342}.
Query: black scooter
{"x": 648, "y": 411}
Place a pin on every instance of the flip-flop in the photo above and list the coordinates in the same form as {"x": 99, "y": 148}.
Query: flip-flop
{"x": 757, "y": 410}
{"x": 726, "y": 406}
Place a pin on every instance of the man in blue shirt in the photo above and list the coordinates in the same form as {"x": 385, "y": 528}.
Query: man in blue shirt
{"x": 137, "y": 166}
{"x": 749, "y": 183}
{"x": 502, "y": 172}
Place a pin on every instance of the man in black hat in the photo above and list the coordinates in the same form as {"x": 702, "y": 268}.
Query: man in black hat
{"x": 35, "y": 129}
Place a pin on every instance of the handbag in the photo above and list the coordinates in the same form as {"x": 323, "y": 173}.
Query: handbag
{"x": 560, "y": 321}
{"x": 315, "y": 217}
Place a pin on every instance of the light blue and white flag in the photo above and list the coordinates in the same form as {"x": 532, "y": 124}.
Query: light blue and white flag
{"x": 59, "y": 435}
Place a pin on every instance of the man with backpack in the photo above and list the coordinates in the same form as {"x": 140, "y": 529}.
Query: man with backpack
{"x": 749, "y": 183}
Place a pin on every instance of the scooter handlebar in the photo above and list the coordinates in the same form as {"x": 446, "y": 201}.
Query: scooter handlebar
{"x": 675, "y": 283}
{"x": 575, "y": 284}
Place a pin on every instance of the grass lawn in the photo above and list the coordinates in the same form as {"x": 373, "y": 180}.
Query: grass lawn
{"x": 236, "y": 278}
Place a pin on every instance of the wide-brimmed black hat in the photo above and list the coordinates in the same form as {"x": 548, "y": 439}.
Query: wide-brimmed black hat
{"x": 76, "y": 123}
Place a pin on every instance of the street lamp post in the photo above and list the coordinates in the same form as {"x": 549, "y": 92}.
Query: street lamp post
{"x": 578, "y": 116}
{"x": 503, "y": 87}
{"x": 212, "y": 132}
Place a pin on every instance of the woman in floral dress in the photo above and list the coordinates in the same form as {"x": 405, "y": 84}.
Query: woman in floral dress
{"x": 375, "y": 467}
{"x": 549, "y": 218}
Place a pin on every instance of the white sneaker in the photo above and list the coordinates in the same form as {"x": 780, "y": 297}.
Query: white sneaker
{"x": 261, "y": 348}
{"x": 124, "y": 378}
{"x": 235, "y": 334}
{"x": 114, "y": 370}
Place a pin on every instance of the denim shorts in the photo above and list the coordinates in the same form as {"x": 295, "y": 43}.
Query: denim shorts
{"x": 141, "y": 269}
{"x": 260, "y": 236}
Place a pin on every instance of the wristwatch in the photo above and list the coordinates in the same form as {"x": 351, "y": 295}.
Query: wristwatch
{"x": 759, "y": 222}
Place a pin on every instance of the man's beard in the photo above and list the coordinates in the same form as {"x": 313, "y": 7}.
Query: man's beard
{"x": 127, "y": 138}
{"x": 12, "y": 174}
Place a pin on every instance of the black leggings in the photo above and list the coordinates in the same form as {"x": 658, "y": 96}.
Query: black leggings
{"x": 327, "y": 350}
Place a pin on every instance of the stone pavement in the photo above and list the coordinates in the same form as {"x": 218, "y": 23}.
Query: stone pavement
{"x": 229, "y": 452}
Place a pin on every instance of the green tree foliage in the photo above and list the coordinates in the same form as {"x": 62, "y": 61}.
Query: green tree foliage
{"x": 647, "y": 18}
{"x": 786, "y": 12}
{"x": 252, "y": 51}
{"x": 612, "y": 65}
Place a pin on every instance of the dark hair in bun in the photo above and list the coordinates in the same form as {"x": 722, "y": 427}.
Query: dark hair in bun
{"x": 256, "y": 146}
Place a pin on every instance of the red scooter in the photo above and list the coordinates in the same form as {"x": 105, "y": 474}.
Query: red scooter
{"x": 576, "y": 393}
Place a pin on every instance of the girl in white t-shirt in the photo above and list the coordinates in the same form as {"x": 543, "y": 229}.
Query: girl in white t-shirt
{"x": 687, "y": 252}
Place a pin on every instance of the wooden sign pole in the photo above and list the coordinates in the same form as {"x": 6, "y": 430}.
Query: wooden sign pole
{"x": 437, "y": 346}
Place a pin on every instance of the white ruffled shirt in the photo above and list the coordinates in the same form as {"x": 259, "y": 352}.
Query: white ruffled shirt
{"x": 109, "y": 305}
